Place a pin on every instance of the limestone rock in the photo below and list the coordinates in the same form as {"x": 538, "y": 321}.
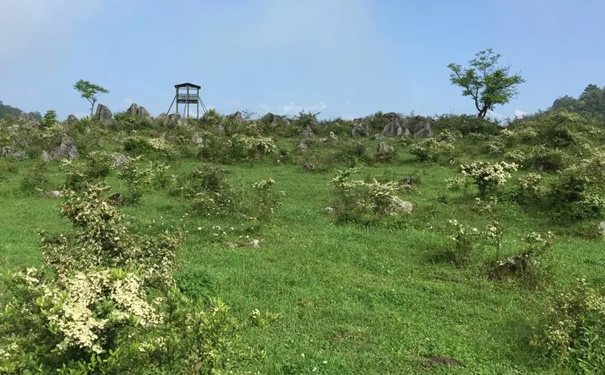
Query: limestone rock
{"x": 602, "y": 228}
{"x": 237, "y": 117}
{"x": 6, "y": 151}
{"x": 103, "y": 113}
{"x": 19, "y": 156}
{"x": 384, "y": 151}
{"x": 54, "y": 194}
{"x": 384, "y": 148}
{"x": 120, "y": 160}
{"x": 308, "y": 167}
{"x": 333, "y": 137}
{"x": 71, "y": 119}
{"x": 197, "y": 138}
{"x": 66, "y": 150}
{"x": 45, "y": 156}
{"x": 307, "y": 132}
{"x": 302, "y": 145}
{"x": 401, "y": 206}
{"x": 424, "y": 132}
{"x": 138, "y": 111}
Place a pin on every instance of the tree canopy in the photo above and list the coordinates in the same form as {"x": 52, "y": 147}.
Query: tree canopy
{"x": 90, "y": 92}
{"x": 590, "y": 102}
{"x": 486, "y": 82}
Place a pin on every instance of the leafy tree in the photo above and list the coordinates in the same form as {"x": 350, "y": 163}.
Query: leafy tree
{"x": 50, "y": 118}
{"x": 591, "y": 102}
{"x": 90, "y": 92}
{"x": 486, "y": 82}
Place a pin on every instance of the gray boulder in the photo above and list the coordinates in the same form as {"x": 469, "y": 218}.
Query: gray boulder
{"x": 172, "y": 119}
{"x": 45, "y": 156}
{"x": 307, "y": 132}
{"x": 66, "y": 150}
{"x": 424, "y": 132}
{"x": 6, "y": 151}
{"x": 103, "y": 113}
{"x": 197, "y": 139}
{"x": 237, "y": 117}
{"x": 333, "y": 137}
{"x": 303, "y": 145}
{"x": 601, "y": 228}
{"x": 404, "y": 207}
{"x": 54, "y": 194}
{"x": 71, "y": 119}
{"x": 138, "y": 111}
{"x": 395, "y": 125}
{"x": 360, "y": 128}
{"x": 384, "y": 148}
{"x": 19, "y": 156}
{"x": 120, "y": 160}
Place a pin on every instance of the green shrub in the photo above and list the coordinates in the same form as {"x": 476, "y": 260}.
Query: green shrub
{"x": 351, "y": 154}
{"x": 464, "y": 239}
{"x": 529, "y": 267}
{"x": 547, "y": 159}
{"x": 7, "y": 167}
{"x": 571, "y": 332}
{"x": 577, "y": 193}
{"x": 36, "y": 180}
{"x": 361, "y": 201}
{"x": 105, "y": 303}
{"x": 430, "y": 149}
{"x": 140, "y": 178}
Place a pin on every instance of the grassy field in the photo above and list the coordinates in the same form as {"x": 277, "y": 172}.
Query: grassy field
{"x": 346, "y": 298}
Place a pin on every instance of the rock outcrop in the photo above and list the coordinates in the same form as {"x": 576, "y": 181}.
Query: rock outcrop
{"x": 103, "y": 113}
{"x": 66, "y": 150}
{"x": 71, "y": 119}
{"x": 138, "y": 111}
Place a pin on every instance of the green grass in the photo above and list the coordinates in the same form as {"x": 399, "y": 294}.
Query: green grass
{"x": 351, "y": 299}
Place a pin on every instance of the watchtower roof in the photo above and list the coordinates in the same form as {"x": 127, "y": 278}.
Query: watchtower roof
{"x": 187, "y": 84}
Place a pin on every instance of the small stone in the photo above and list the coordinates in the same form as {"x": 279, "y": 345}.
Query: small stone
{"x": 19, "y": 156}
{"x": 6, "y": 151}
{"x": 54, "y": 194}
{"x": 402, "y": 207}
{"x": 120, "y": 160}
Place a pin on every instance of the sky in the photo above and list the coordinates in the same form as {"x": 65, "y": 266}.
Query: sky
{"x": 342, "y": 58}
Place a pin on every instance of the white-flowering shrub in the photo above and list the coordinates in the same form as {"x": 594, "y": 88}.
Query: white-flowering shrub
{"x": 104, "y": 303}
{"x": 457, "y": 183}
{"x": 488, "y": 175}
{"x": 571, "y": 331}
{"x": 355, "y": 200}
{"x": 530, "y": 188}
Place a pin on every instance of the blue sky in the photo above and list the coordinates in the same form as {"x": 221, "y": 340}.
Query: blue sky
{"x": 343, "y": 58}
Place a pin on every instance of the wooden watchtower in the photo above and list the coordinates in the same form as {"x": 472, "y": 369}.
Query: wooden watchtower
{"x": 188, "y": 93}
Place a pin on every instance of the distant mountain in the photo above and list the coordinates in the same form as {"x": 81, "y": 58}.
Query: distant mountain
{"x": 591, "y": 101}
{"x": 6, "y": 110}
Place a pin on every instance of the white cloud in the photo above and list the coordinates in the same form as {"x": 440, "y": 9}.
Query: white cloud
{"x": 519, "y": 113}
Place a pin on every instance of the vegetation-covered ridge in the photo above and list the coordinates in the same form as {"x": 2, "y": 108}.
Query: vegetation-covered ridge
{"x": 388, "y": 244}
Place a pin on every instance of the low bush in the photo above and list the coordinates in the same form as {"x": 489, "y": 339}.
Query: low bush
{"x": 571, "y": 331}
{"x": 431, "y": 149}
{"x": 105, "y": 303}
{"x": 486, "y": 175}
{"x": 36, "y": 180}
{"x": 361, "y": 201}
